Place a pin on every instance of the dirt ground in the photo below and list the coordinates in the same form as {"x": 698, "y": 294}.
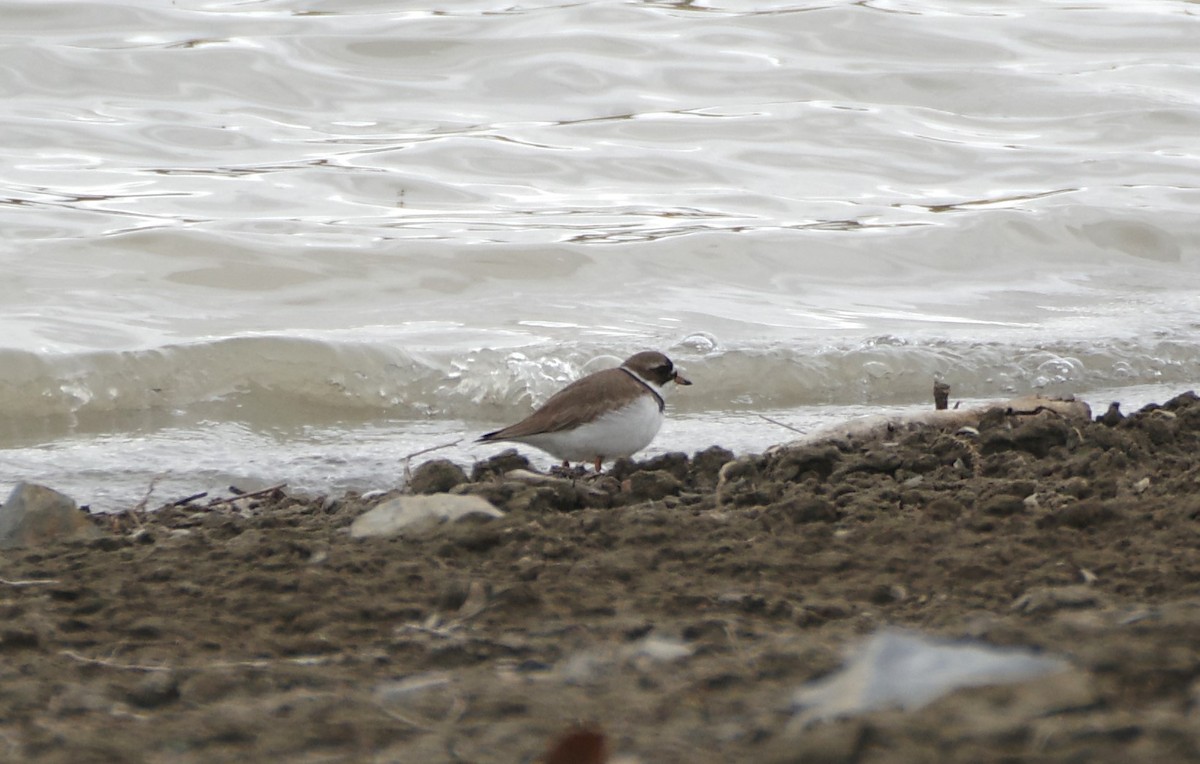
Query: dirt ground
{"x": 676, "y": 615}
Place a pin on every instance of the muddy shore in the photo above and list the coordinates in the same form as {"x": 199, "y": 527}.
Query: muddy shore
{"x": 676, "y": 604}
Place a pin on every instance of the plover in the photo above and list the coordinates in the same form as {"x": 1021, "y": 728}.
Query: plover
{"x": 612, "y": 413}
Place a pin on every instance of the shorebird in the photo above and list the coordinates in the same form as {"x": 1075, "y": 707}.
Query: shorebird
{"x": 612, "y": 413}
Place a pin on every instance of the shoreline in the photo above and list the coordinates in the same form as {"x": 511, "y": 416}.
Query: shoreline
{"x": 676, "y": 604}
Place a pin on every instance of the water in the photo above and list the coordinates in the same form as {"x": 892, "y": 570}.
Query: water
{"x": 274, "y": 241}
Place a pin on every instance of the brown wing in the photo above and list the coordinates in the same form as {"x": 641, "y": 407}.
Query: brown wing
{"x": 578, "y": 403}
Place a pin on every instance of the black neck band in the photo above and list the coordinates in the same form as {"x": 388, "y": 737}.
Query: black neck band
{"x": 661, "y": 404}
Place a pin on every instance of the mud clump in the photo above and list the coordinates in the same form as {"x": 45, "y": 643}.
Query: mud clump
{"x": 674, "y": 604}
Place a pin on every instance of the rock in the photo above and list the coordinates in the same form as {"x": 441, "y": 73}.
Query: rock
{"x": 943, "y": 508}
{"x": 674, "y": 462}
{"x": 806, "y": 509}
{"x": 653, "y": 485}
{"x": 875, "y": 461}
{"x": 895, "y": 668}
{"x": 1003, "y": 506}
{"x": 656, "y": 649}
{"x": 1113, "y": 416}
{"x": 1078, "y": 487}
{"x": 737, "y": 481}
{"x": 530, "y": 477}
{"x": 1081, "y": 515}
{"x": 793, "y": 464}
{"x": 35, "y": 515}
{"x": 1035, "y": 435}
{"x": 558, "y": 496}
{"x": 436, "y": 476}
{"x": 1182, "y": 401}
{"x": 418, "y": 514}
{"x": 496, "y": 494}
{"x": 1047, "y": 599}
{"x": 157, "y": 688}
{"x": 707, "y": 463}
{"x": 505, "y": 461}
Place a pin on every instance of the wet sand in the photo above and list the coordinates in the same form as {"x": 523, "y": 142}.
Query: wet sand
{"x": 676, "y": 604}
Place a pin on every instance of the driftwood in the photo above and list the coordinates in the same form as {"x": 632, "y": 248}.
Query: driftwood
{"x": 1027, "y": 406}
{"x": 241, "y": 496}
{"x": 188, "y": 499}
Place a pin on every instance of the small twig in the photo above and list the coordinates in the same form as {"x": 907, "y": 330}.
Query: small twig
{"x": 432, "y": 448}
{"x": 141, "y": 505}
{"x": 301, "y": 660}
{"x": 404, "y": 719}
{"x": 110, "y": 664}
{"x": 443, "y": 632}
{"x": 408, "y": 459}
{"x": 781, "y": 424}
{"x": 29, "y": 582}
{"x": 251, "y": 495}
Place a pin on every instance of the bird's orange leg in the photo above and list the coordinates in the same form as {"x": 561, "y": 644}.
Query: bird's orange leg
{"x": 599, "y": 461}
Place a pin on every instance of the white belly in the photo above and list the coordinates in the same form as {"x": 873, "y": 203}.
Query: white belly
{"x": 620, "y": 433}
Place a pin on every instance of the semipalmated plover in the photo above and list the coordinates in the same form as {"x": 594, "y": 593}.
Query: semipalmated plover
{"x": 615, "y": 412}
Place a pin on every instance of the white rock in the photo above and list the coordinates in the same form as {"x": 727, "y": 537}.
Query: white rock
{"x": 659, "y": 649}
{"x": 902, "y": 669}
{"x": 418, "y": 514}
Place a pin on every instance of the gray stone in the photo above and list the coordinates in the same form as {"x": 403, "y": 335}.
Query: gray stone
{"x": 436, "y": 476}
{"x": 408, "y": 515}
{"x": 35, "y": 514}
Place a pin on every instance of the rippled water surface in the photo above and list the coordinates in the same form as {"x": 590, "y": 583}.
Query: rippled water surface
{"x": 297, "y": 241}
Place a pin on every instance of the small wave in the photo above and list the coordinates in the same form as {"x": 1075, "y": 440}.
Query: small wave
{"x": 281, "y": 381}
